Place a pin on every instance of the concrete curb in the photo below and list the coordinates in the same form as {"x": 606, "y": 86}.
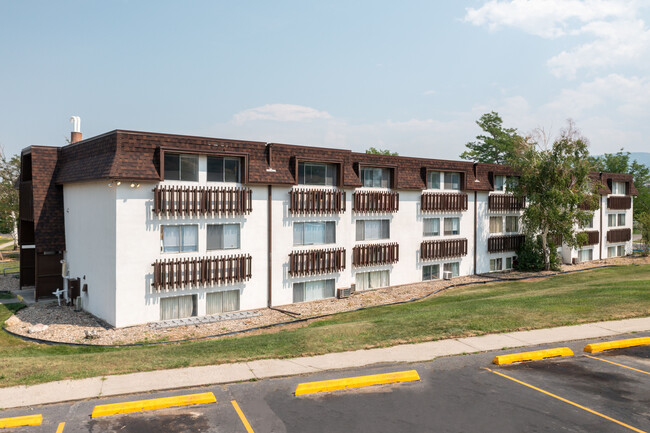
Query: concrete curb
{"x": 161, "y": 380}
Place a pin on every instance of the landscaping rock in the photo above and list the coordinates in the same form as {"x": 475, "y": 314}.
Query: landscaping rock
{"x": 13, "y": 321}
{"x": 39, "y": 327}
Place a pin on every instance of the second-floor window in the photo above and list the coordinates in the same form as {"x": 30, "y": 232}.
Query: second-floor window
{"x": 223, "y": 237}
{"x": 316, "y": 173}
{"x": 497, "y": 224}
{"x": 618, "y": 188}
{"x": 375, "y": 177}
{"x": 616, "y": 220}
{"x": 368, "y": 230}
{"x": 181, "y": 238}
{"x": 504, "y": 183}
{"x": 181, "y": 167}
{"x": 223, "y": 169}
{"x": 443, "y": 180}
{"x": 314, "y": 233}
{"x": 452, "y": 226}
{"x": 431, "y": 227}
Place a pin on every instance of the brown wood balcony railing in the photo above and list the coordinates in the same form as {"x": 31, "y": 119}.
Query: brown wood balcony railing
{"x": 505, "y": 203}
{"x": 619, "y": 235}
{"x": 26, "y": 201}
{"x": 375, "y": 254}
{"x": 593, "y": 237}
{"x": 619, "y": 203}
{"x": 192, "y": 272}
{"x": 375, "y": 201}
{"x": 431, "y": 250}
{"x": 502, "y": 244}
{"x": 316, "y": 201}
{"x": 441, "y": 202}
{"x": 189, "y": 201}
{"x": 311, "y": 262}
{"x": 589, "y": 204}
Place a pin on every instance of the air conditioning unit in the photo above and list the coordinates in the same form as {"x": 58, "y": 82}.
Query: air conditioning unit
{"x": 353, "y": 288}
{"x": 446, "y": 275}
{"x": 343, "y": 293}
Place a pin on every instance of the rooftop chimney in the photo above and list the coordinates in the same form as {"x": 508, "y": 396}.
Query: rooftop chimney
{"x": 75, "y": 135}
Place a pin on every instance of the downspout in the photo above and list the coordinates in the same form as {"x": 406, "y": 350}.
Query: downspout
{"x": 269, "y": 242}
{"x": 600, "y": 243}
{"x": 475, "y": 230}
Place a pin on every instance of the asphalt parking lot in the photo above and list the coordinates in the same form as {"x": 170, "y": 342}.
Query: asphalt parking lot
{"x": 602, "y": 392}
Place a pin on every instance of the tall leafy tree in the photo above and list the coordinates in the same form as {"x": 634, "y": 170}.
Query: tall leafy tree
{"x": 554, "y": 179}
{"x": 375, "y": 151}
{"x": 496, "y": 145}
{"x": 9, "y": 173}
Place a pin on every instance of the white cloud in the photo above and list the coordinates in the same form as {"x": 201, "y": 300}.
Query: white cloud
{"x": 280, "y": 113}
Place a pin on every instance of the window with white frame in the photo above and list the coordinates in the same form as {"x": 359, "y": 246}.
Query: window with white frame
{"x": 586, "y": 254}
{"x": 312, "y": 290}
{"x": 453, "y": 267}
{"x": 443, "y": 180}
{"x": 181, "y": 167}
{"x": 496, "y": 224}
{"x": 431, "y": 227}
{"x": 510, "y": 262}
{"x": 616, "y": 220}
{"x": 179, "y": 238}
{"x": 496, "y": 264}
{"x": 452, "y": 226}
{"x": 223, "y": 169}
{"x": 616, "y": 251}
{"x": 372, "y": 280}
{"x": 223, "y": 236}
{"x": 512, "y": 224}
{"x": 314, "y": 233}
{"x": 505, "y": 183}
{"x": 222, "y": 302}
{"x": 368, "y": 230}
{"x": 178, "y": 307}
{"x": 618, "y": 188}
{"x": 375, "y": 177}
{"x": 430, "y": 272}
{"x": 589, "y": 224}
{"x": 317, "y": 173}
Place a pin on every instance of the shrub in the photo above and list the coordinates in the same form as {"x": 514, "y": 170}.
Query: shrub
{"x": 530, "y": 257}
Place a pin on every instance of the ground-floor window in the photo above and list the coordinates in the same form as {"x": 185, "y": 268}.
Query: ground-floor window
{"x": 586, "y": 255}
{"x": 496, "y": 264}
{"x": 430, "y": 272}
{"x": 617, "y": 251}
{"x": 454, "y": 268}
{"x": 372, "y": 280}
{"x": 311, "y": 290}
{"x": 222, "y": 302}
{"x": 177, "y": 307}
{"x": 510, "y": 263}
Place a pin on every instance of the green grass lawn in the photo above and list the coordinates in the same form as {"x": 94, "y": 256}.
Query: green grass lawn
{"x": 604, "y": 294}
{"x": 9, "y": 264}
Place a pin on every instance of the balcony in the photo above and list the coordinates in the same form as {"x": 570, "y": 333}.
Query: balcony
{"x": 619, "y": 203}
{"x": 505, "y": 203}
{"x": 185, "y": 273}
{"x": 316, "y": 201}
{"x": 375, "y": 254}
{"x": 375, "y": 201}
{"x": 593, "y": 237}
{"x": 441, "y": 202}
{"x": 619, "y": 235}
{"x": 195, "y": 201}
{"x": 433, "y": 250}
{"x": 589, "y": 204}
{"x": 502, "y": 244}
{"x": 311, "y": 262}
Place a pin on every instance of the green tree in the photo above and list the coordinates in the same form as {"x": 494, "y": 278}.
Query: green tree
{"x": 374, "y": 151}
{"x": 644, "y": 227}
{"x": 554, "y": 179}
{"x": 9, "y": 174}
{"x": 496, "y": 145}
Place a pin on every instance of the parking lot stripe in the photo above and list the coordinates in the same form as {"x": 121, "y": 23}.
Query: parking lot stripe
{"x": 243, "y": 419}
{"x": 619, "y": 344}
{"x": 20, "y": 421}
{"x": 532, "y": 356}
{"x": 156, "y": 403}
{"x": 356, "y": 382}
{"x": 60, "y": 428}
{"x": 567, "y": 401}
{"x": 620, "y": 365}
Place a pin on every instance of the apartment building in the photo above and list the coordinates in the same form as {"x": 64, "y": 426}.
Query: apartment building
{"x": 144, "y": 227}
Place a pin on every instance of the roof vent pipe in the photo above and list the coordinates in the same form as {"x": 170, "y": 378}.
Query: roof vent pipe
{"x": 75, "y": 135}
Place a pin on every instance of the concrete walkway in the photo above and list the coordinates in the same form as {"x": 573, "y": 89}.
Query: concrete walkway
{"x": 69, "y": 390}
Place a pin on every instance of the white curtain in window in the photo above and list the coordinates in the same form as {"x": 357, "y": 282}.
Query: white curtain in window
{"x": 177, "y": 307}
{"x": 314, "y": 233}
{"x": 314, "y": 290}
{"x": 431, "y": 226}
{"x": 434, "y": 180}
{"x": 621, "y": 219}
{"x": 190, "y": 238}
{"x": 611, "y": 220}
{"x": 362, "y": 281}
{"x": 499, "y": 183}
{"x": 373, "y": 229}
{"x": 230, "y": 236}
{"x": 512, "y": 224}
{"x": 214, "y": 303}
{"x": 298, "y": 231}
{"x": 620, "y": 250}
{"x": 171, "y": 239}
{"x": 496, "y": 224}
{"x": 185, "y": 306}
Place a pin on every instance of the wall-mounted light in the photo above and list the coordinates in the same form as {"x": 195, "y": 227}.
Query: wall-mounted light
{"x": 110, "y": 184}
{"x": 118, "y": 183}
{"x": 132, "y": 185}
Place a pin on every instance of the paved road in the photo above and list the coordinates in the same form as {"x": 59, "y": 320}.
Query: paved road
{"x": 607, "y": 392}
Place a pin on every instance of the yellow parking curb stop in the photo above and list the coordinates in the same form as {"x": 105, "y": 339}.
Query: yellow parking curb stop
{"x": 532, "y": 356}
{"x": 356, "y": 382}
{"x": 620, "y": 344}
{"x": 156, "y": 403}
{"x": 19, "y": 421}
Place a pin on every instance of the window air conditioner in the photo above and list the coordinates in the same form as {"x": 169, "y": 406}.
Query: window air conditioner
{"x": 343, "y": 293}
{"x": 446, "y": 275}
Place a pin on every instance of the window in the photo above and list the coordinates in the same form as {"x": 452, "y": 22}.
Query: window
{"x": 179, "y": 238}
{"x": 499, "y": 183}
{"x": 621, "y": 219}
{"x": 222, "y": 169}
{"x": 313, "y": 173}
{"x": 589, "y": 224}
{"x": 496, "y": 264}
{"x": 452, "y": 226}
{"x": 433, "y": 180}
{"x": 432, "y": 227}
{"x": 368, "y": 230}
{"x": 222, "y": 302}
{"x": 452, "y": 181}
{"x": 586, "y": 255}
{"x": 512, "y": 224}
{"x": 616, "y": 220}
{"x": 496, "y": 224}
{"x": 449, "y": 181}
{"x": 430, "y": 272}
{"x": 372, "y": 280}
{"x": 223, "y": 236}
{"x": 618, "y": 188}
{"x": 177, "y": 307}
{"x": 315, "y": 233}
{"x": 181, "y": 167}
{"x": 620, "y": 250}
{"x": 373, "y": 177}
{"x": 510, "y": 261}
{"x": 452, "y": 267}
{"x": 311, "y": 290}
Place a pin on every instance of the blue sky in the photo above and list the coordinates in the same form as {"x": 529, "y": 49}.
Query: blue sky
{"x": 409, "y": 76}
